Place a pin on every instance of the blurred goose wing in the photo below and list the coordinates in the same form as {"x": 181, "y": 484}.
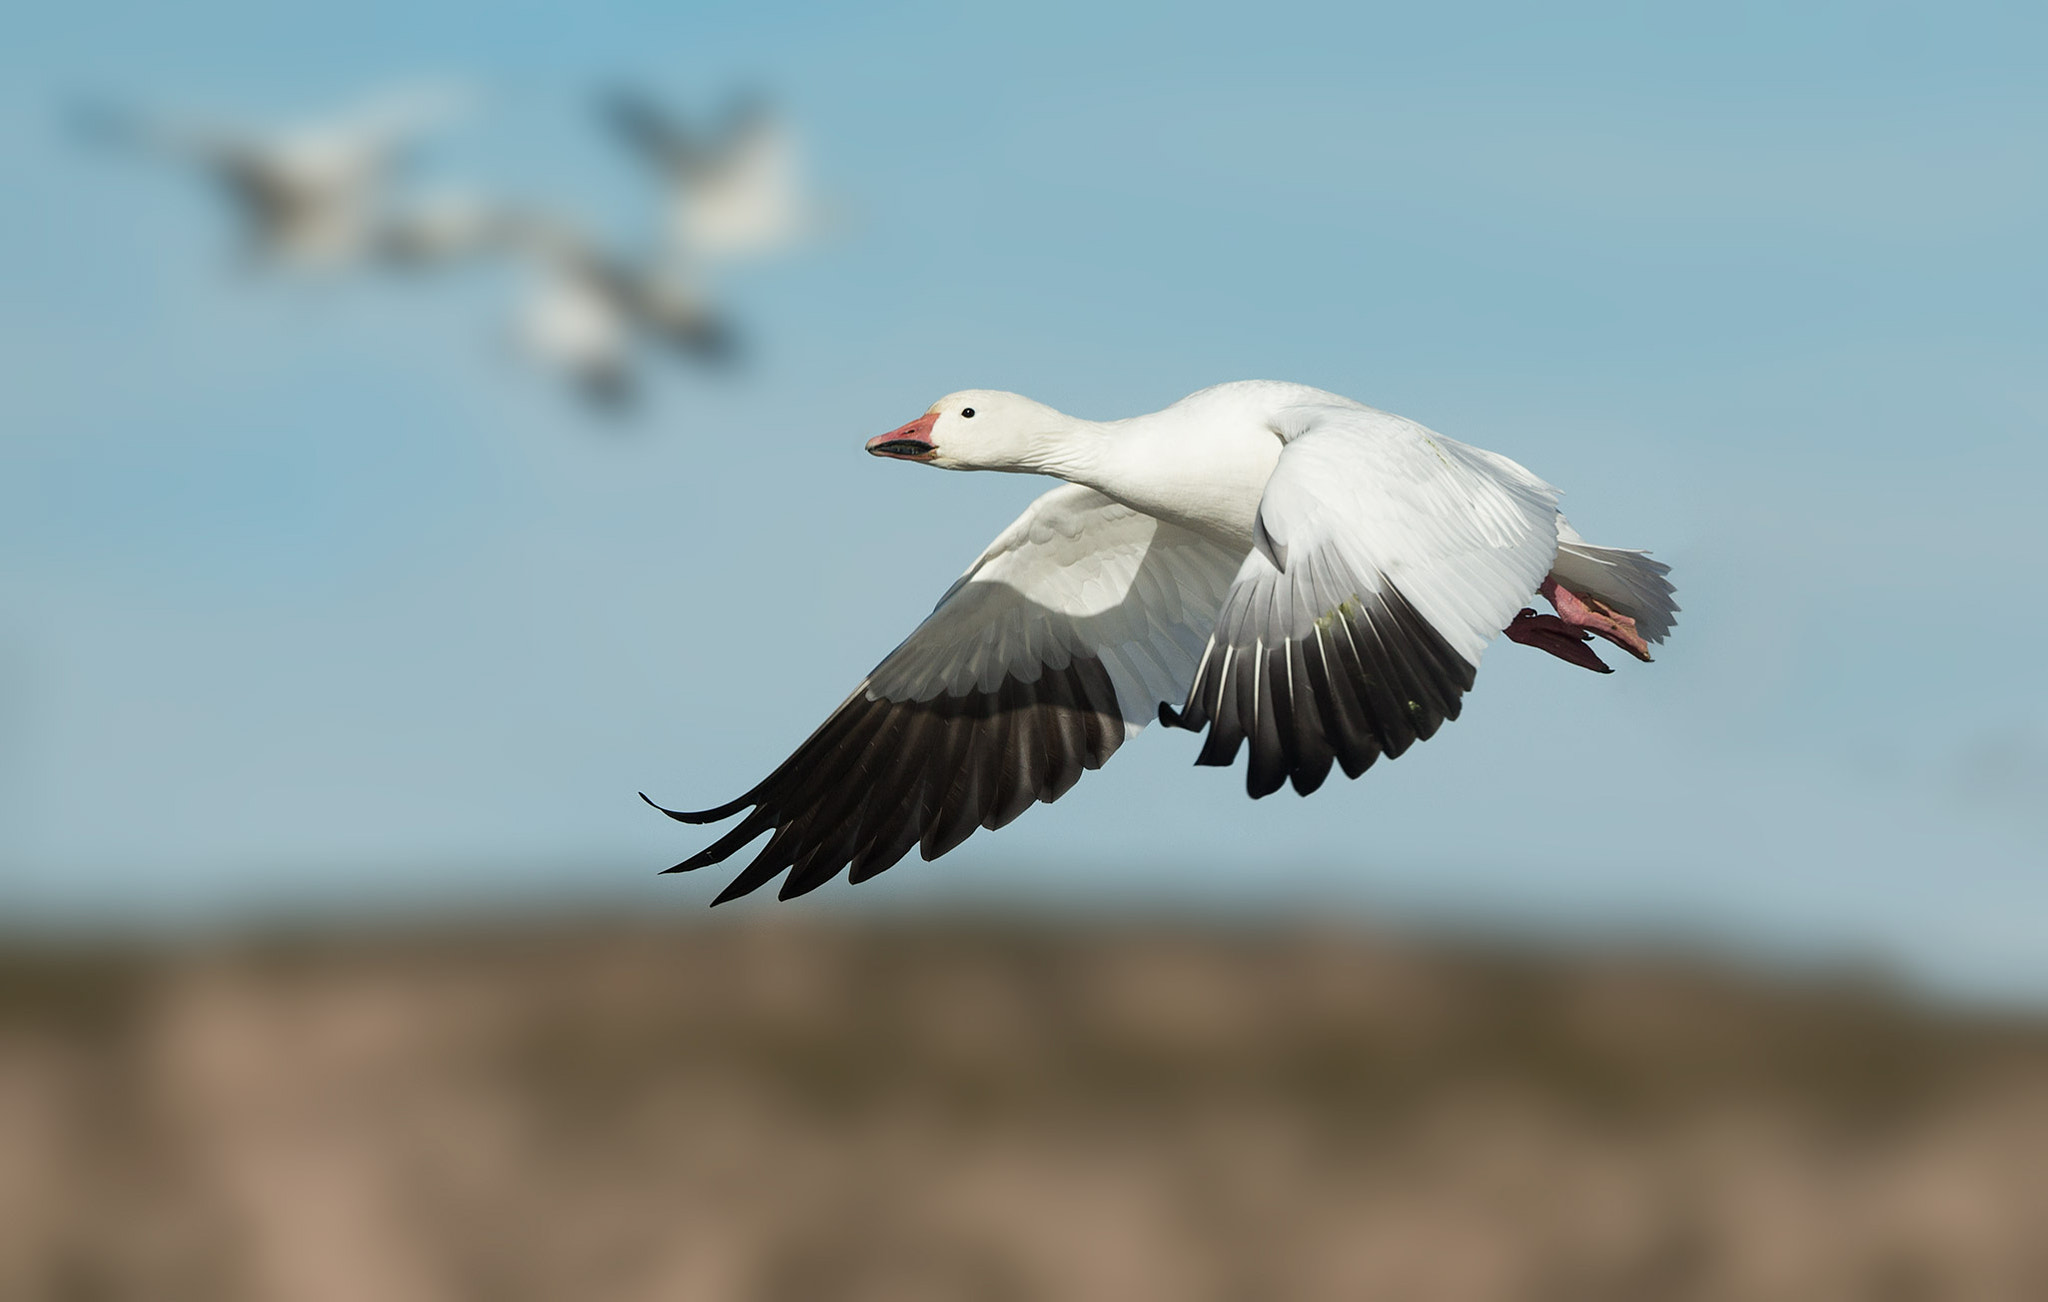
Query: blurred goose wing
{"x": 653, "y": 133}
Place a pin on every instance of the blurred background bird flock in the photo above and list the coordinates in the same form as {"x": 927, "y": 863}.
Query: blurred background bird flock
{"x": 344, "y": 195}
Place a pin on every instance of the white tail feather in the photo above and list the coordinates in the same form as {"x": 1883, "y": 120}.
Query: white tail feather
{"x": 1628, "y": 581}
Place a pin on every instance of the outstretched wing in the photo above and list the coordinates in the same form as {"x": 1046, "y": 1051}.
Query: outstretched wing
{"x": 1063, "y": 639}
{"x": 1386, "y": 557}
{"x": 660, "y": 138}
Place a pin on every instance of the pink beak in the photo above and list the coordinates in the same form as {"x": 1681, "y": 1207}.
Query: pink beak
{"x": 912, "y": 442}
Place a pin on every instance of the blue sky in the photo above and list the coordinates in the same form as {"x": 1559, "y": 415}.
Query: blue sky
{"x": 309, "y": 600}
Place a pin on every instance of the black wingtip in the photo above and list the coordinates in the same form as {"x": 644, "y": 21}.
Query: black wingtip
{"x": 680, "y": 818}
{"x": 737, "y": 887}
{"x": 694, "y": 817}
{"x": 1172, "y": 717}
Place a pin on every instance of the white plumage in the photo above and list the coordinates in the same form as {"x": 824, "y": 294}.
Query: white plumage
{"x": 1076, "y": 575}
{"x": 307, "y": 196}
{"x": 729, "y": 196}
{"x": 1278, "y": 566}
{"x": 589, "y": 308}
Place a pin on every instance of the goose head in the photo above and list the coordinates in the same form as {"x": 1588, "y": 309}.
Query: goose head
{"x": 977, "y": 429}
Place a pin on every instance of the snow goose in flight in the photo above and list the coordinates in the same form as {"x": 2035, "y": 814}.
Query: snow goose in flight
{"x": 590, "y": 308}
{"x": 734, "y": 195}
{"x": 306, "y": 196}
{"x": 1273, "y": 564}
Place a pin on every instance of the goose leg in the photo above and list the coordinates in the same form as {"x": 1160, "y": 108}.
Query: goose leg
{"x": 1549, "y": 633}
{"x": 1596, "y": 616}
{"x": 1578, "y": 618}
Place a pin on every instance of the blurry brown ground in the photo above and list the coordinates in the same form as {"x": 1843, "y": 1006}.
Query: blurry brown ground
{"x": 940, "y": 1111}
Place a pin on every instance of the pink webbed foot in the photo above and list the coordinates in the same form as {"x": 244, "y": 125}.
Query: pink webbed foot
{"x": 1549, "y": 633}
{"x": 1596, "y": 616}
{"x": 1566, "y": 634}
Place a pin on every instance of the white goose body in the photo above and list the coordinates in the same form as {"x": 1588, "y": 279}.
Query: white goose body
{"x": 1271, "y": 563}
{"x": 591, "y": 307}
{"x": 733, "y": 194}
{"x": 1202, "y": 463}
{"x": 306, "y": 196}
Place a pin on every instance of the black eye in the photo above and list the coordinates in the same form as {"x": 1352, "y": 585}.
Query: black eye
{"x": 967, "y": 411}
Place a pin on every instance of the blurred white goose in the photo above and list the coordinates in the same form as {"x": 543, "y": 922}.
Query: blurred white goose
{"x": 589, "y": 310}
{"x": 1266, "y": 561}
{"x": 736, "y": 195}
{"x": 438, "y": 229}
{"x": 306, "y": 196}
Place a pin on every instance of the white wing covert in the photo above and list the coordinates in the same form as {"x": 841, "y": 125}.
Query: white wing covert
{"x": 1386, "y": 556}
{"x": 1064, "y": 638}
